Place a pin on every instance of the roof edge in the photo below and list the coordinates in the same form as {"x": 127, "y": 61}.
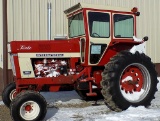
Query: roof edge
{"x": 95, "y": 6}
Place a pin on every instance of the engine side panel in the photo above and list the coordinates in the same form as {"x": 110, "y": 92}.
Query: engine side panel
{"x": 36, "y": 65}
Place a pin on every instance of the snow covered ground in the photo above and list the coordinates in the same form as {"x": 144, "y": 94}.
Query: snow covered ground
{"x": 1, "y": 103}
{"x": 72, "y": 108}
{"x": 67, "y": 106}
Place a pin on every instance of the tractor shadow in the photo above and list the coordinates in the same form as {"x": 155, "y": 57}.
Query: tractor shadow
{"x": 50, "y": 113}
{"x": 64, "y": 99}
{"x": 56, "y": 100}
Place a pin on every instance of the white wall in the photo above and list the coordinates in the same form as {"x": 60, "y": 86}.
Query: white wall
{"x": 27, "y": 19}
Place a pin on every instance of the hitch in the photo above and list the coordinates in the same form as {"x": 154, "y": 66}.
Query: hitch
{"x": 91, "y": 93}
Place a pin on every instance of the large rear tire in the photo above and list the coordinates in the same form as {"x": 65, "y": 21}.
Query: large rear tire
{"x": 129, "y": 80}
{"x": 28, "y": 106}
{"x": 9, "y": 93}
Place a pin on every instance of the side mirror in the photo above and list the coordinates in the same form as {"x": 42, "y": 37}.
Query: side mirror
{"x": 145, "y": 38}
{"x": 137, "y": 13}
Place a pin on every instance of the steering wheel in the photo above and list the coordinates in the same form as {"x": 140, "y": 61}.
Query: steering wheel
{"x": 95, "y": 35}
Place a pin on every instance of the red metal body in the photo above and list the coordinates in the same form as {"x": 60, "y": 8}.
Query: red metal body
{"x": 83, "y": 72}
{"x": 71, "y": 45}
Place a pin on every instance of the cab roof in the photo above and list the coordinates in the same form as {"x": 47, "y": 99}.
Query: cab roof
{"x": 80, "y": 6}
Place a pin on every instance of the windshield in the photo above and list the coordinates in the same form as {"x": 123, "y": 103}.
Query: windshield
{"x": 76, "y": 25}
{"x": 99, "y": 24}
{"x": 123, "y": 26}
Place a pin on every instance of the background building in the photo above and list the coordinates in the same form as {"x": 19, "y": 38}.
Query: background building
{"x": 27, "y": 20}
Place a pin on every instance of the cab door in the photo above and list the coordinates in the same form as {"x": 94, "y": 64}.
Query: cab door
{"x": 99, "y": 35}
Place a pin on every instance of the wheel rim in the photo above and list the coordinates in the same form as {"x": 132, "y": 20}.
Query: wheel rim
{"x": 135, "y": 82}
{"x": 29, "y": 110}
{"x": 12, "y": 94}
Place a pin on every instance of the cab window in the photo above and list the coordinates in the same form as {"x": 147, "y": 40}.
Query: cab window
{"x": 76, "y": 25}
{"x": 123, "y": 26}
{"x": 99, "y": 24}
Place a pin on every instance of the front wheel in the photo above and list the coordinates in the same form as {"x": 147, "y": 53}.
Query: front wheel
{"x": 28, "y": 106}
{"x": 129, "y": 80}
{"x": 83, "y": 88}
{"x": 83, "y": 95}
{"x": 9, "y": 93}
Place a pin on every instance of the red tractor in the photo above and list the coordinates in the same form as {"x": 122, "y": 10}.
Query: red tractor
{"x": 99, "y": 56}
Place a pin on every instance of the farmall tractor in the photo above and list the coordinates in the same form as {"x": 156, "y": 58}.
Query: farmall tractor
{"x": 99, "y": 56}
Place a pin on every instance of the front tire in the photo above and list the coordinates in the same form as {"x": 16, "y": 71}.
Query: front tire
{"x": 129, "y": 80}
{"x": 28, "y": 106}
{"x": 83, "y": 95}
{"x": 9, "y": 94}
{"x": 85, "y": 89}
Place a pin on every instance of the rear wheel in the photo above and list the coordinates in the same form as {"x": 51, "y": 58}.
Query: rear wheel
{"x": 129, "y": 80}
{"x": 28, "y": 106}
{"x": 9, "y": 93}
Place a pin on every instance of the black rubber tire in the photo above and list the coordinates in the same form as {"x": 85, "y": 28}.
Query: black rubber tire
{"x": 111, "y": 77}
{"x": 6, "y": 93}
{"x": 24, "y": 97}
{"x": 82, "y": 94}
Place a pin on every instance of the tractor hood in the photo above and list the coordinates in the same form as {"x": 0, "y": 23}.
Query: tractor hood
{"x": 52, "y": 46}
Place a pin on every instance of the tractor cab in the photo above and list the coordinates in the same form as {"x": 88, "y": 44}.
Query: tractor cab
{"x": 99, "y": 28}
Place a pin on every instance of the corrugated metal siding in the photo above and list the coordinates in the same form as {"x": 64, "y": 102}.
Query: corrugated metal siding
{"x": 27, "y": 19}
{"x": 1, "y": 36}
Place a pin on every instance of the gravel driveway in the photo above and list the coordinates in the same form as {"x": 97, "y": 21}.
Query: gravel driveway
{"x": 4, "y": 113}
